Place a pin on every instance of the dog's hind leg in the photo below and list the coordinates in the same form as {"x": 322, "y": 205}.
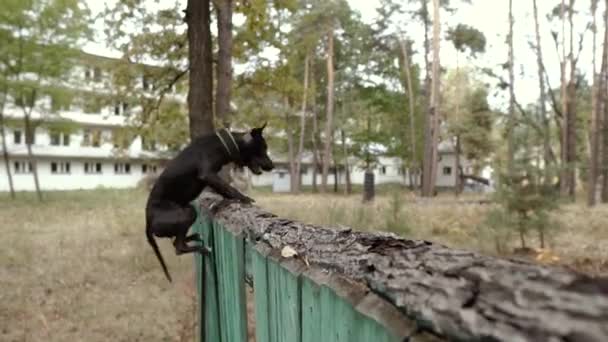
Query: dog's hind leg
{"x": 181, "y": 230}
{"x": 194, "y": 237}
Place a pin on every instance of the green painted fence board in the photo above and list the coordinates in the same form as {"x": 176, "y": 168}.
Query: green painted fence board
{"x": 209, "y": 331}
{"x": 249, "y": 252}
{"x": 230, "y": 264}
{"x": 366, "y": 329}
{"x": 311, "y": 311}
{"x": 284, "y": 303}
{"x": 260, "y": 295}
{"x": 344, "y": 320}
{"x": 288, "y": 306}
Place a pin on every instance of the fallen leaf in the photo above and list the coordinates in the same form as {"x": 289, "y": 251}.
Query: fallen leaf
{"x": 288, "y": 252}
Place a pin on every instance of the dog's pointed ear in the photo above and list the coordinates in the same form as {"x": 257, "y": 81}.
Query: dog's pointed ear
{"x": 258, "y": 130}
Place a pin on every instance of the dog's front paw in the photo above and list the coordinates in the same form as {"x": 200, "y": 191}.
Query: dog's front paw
{"x": 246, "y": 199}
{"x": 217, "y": 206}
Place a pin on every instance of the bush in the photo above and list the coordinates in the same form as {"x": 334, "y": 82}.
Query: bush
{"x": 525, "y": 203}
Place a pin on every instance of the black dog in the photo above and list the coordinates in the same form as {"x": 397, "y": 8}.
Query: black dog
{"x": 169, "y": 212}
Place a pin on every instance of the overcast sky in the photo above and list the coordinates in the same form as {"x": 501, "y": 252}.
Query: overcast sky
{"x": 488, "y": 16}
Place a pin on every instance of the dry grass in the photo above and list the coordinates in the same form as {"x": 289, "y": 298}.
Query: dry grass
{"x": 77, "y": 267}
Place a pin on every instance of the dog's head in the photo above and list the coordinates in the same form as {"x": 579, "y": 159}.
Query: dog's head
{"x": 254, "y": 151}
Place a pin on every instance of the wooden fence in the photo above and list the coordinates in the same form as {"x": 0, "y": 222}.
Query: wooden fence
{"x": 352, "y": 286}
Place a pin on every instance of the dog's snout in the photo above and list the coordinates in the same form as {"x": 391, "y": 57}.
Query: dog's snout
{"x": 268, "y": 165}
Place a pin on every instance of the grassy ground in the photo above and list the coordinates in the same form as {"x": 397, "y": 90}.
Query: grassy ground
{"x": 77, "y": 267}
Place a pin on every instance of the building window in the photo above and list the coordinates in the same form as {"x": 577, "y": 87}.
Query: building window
{"x": 59, "y": 138}
{"x": 122, "y": 168}
{"x": 91, "y": 137}
{"x": 145, "y": 168}
{"x": 281, "y": 174}
{"x": 23, "y": 167}
{"x": 60, "y": 167}
{"x": 17, "y": 137}
{"x": 148, "y": 144}
{"x": 86, "y": 137}
{"x": 144, "y": 82}
{"x": 92, "y": 168}
{"x": 55, "y": 138}
{"x": 383, "y": 170}
{"x": 121, "y": 108}
{"x": 30, "y": 136}
{"x": 87, "y": 74}
{"x": 96, "y": 138}
{"x": 97, "y": 74}
{"x": 303, "y": 170}
{"x": 447, "y": 170}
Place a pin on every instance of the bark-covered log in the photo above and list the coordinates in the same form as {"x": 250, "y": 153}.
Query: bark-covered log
{"x": 454, "y": 294}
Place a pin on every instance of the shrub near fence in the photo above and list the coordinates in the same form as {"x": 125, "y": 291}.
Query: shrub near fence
{"x": 354, "y": 286}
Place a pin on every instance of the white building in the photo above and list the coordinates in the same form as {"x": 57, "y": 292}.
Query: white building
{"x": 80, "y": 146}
{"x": 387, "y": 170}
{"x": 76, "y": 146}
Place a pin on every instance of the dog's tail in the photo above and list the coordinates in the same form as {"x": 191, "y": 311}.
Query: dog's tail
{"x": 154, "y": 245}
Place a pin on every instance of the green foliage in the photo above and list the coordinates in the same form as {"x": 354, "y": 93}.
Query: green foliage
{"x": 38, "y": 39}
{"x": 154, "y": 57}
{"x": 466, "y": 37}
{"x": 469, "y": 116}
{"x": 526, "y": 201}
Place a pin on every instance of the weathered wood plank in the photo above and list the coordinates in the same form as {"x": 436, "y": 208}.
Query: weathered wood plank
{"x": 260, "y": 294}
{"x": 284, "y": 302}
{"x": 311, "y": 311}
{"x": 454, "y": 294}
{"x": 205, "y": 276}
{"x": 229, "y": 251}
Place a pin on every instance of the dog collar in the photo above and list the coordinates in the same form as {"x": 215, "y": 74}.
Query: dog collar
{"x": 236, "y": 146}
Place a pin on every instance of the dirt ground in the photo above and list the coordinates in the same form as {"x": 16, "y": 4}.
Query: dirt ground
{"x": 78, "y": 268}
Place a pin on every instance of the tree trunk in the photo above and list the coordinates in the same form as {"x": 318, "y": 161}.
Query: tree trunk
{"x": 200, "y": 92}
{"x": 603, "y": 103}
{"x": 593, "y": 138}
{"x": 329, "y": 126}
{"x": 336, "y": 179}
{"x": 427, "y": 51}
{"x": 571, "y": 114}
{"x": 411, "y": 101}
{"x": 458, "y": 169}
{"x": 302, "y": 124}
{"x": 224, "y": 61}
{"x": 432, "y": 129}
{"x": 543, "y": 99}
{"x": 564, "y": 175}
{"x": 30, "y": 154}
{"x": 348, "y": 187}
{"x": 511, "y": 118}
{"x": 290, "y": 154}
{"x": 5, "y": 155}
{"x": 427, "y": 84}
{"x": 314, "y": 135}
